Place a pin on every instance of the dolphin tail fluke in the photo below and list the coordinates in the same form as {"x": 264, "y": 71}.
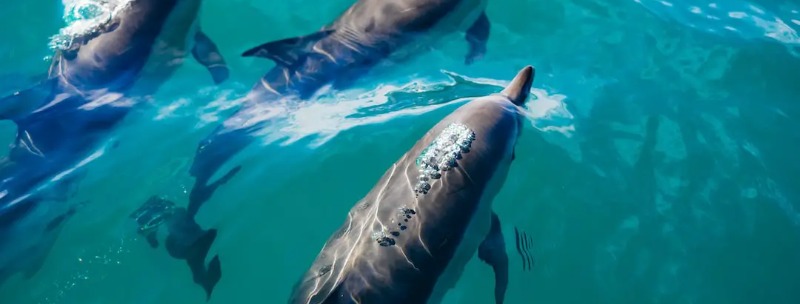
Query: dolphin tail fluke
{"x": 493, "y": 252}
{"x": 205, "y": 51}
{"x": 26, "y": 101}
{"x": 477, "y": 37}
{"x": 214, "y": 274}
{"x": 207, "y": 277}
{"x": 520, "y": 87}
{"x": 287, "y": 52}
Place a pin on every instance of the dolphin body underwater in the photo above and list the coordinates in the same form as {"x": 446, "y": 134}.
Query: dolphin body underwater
{"x": 66, "y": 116}
{"x": 368, "y": 33}
{"x": 409, "y": 238}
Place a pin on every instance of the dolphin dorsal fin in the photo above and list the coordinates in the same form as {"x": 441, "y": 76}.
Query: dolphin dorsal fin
{"x": 520, "y": 87}
{"x": 286, "y": 52}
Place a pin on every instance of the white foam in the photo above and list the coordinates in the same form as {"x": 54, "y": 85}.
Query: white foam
{"x": 84, "y": 17}
{"x": 737, "y": 15}
{"x": 327, "y": 119}
{"x": 778, "y": 30}
{"x": 288, "y": 121}
{"x": 168, "y": 110}
{"x": 757, "y": 9}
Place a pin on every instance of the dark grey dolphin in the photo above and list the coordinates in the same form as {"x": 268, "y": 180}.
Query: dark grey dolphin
{"x": 69, "y": 113}
{"x": 368, "y": 33}
{"x": 185, "y": 240}
{"x": 409, "y": 238}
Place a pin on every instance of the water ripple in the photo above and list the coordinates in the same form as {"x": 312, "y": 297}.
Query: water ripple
{"x": 733, "y": 18}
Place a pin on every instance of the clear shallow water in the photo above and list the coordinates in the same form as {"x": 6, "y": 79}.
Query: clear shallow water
{"x": 658, "y": 165}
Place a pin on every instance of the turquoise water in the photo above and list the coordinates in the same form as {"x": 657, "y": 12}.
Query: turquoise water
{"x": 658, "y": 165}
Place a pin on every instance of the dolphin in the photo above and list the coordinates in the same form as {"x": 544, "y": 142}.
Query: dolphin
{"x": 72, "y": 110}
{"x": 185, "y": 240}
{"x": 368, "y": 33}
{"x": 409, "y": 238}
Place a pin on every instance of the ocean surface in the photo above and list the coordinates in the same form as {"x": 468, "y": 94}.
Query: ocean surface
{"x": 658, "y": 164}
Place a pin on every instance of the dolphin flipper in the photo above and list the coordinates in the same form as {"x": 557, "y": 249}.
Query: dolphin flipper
{"x": 493, "y": 252}
{"x": 213, "y": 275}
{"x": 478, "y": 36}
{"x": 205, "y": 51}
{"x": 211, "y": 154}
{"x": 201, "y": 193}
{"x": 26, "y": 101}
{"x": 58, "y": 222}
{"x": 287, "y": 52}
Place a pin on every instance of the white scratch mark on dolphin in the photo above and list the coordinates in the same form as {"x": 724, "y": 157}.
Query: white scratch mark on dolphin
{"x": 286, "y": 76}
{"x": 352, "y": 297}
{"x": 350, "y": 39}
{"x": 318, "y": 49}
{"x": 408, "y": 10}
{"x": 32, "y": 147}
{"x": 407, "y": 259}
{"x": 361, "y": 233}
{"x": 410, "y": 185}
{"x": 57, "y": 99}
{"x": 378, "y": 201}
{"x": 62, "y": 72}
{"x": 268, "y": 87}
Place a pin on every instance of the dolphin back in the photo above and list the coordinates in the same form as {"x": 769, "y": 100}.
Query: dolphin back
{"x": 397, "y": 242}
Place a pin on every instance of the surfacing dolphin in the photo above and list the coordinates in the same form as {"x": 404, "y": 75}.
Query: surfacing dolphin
{"x": 65, "y": 117}
{"x": 365, "y": 35}
{"x": 409, "y": 238}
{"x": 368, "y": 33}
